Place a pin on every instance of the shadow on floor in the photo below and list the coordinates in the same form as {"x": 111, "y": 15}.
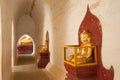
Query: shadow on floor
{"x": 24, "y": 60}
{"x": 30, "y": 75}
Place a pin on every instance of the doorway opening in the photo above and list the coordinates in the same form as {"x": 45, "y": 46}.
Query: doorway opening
{"x": 25, "y": 46}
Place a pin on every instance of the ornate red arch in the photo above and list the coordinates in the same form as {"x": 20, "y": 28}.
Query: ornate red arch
{"x": 92, "y": 24}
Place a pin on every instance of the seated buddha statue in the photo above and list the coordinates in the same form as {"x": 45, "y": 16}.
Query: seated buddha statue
{"x": 84, "y": 54}
{"x": 44, "y": 48}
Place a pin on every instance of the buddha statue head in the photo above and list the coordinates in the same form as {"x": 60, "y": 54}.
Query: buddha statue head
{"x": 85, "y": 37}
{"x": 44, "y": 48}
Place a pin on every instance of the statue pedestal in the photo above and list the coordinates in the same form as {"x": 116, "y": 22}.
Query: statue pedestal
{"x": 81, "y": 72}
{"x": 43, "y": 60}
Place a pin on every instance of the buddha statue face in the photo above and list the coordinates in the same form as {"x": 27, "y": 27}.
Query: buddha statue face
{"x": 85, "y": 37}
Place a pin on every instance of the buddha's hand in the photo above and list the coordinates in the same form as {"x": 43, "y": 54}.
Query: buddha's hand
{"x": 70, "y": 58}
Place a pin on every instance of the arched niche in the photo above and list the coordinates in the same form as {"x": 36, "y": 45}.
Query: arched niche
{"x": 25, "y": 46}
{"x": 93, "y": 25}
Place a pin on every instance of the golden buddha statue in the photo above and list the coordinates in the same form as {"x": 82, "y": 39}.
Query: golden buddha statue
{"x": 85, "y": 52}
{"x": 44, "y": 48}
{"x": 26, "y": 41}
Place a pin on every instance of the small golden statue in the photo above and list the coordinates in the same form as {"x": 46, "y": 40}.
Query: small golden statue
{"x": 44, "y": 48}
{"x": 85, "y": 53}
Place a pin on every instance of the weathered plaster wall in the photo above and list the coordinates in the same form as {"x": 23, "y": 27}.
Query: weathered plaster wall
{"x": 110, "y": 19}
{"x": 6, "y": 39}
{"x": 21, "y": 7}
{"x": 0, "y": 45}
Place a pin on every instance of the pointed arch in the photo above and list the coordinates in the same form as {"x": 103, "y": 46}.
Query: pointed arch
{"x": 92, "y": 24}
{"x": 25, "y": 46}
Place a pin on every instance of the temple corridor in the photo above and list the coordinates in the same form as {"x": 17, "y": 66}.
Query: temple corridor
{"x": 31, "y": 20}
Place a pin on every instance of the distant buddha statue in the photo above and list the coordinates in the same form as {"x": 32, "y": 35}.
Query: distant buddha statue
{"x": 85, "y": 53}
{"x": 26, "y": 41}
{"x": 44, "y": 48}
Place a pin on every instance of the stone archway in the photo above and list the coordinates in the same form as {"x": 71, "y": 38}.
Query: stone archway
{"x": 25, "y": 46}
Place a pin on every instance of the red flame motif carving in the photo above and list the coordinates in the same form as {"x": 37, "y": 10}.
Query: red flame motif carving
{"x": 47, "y": 38}
{"x": 92, "y": 24}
